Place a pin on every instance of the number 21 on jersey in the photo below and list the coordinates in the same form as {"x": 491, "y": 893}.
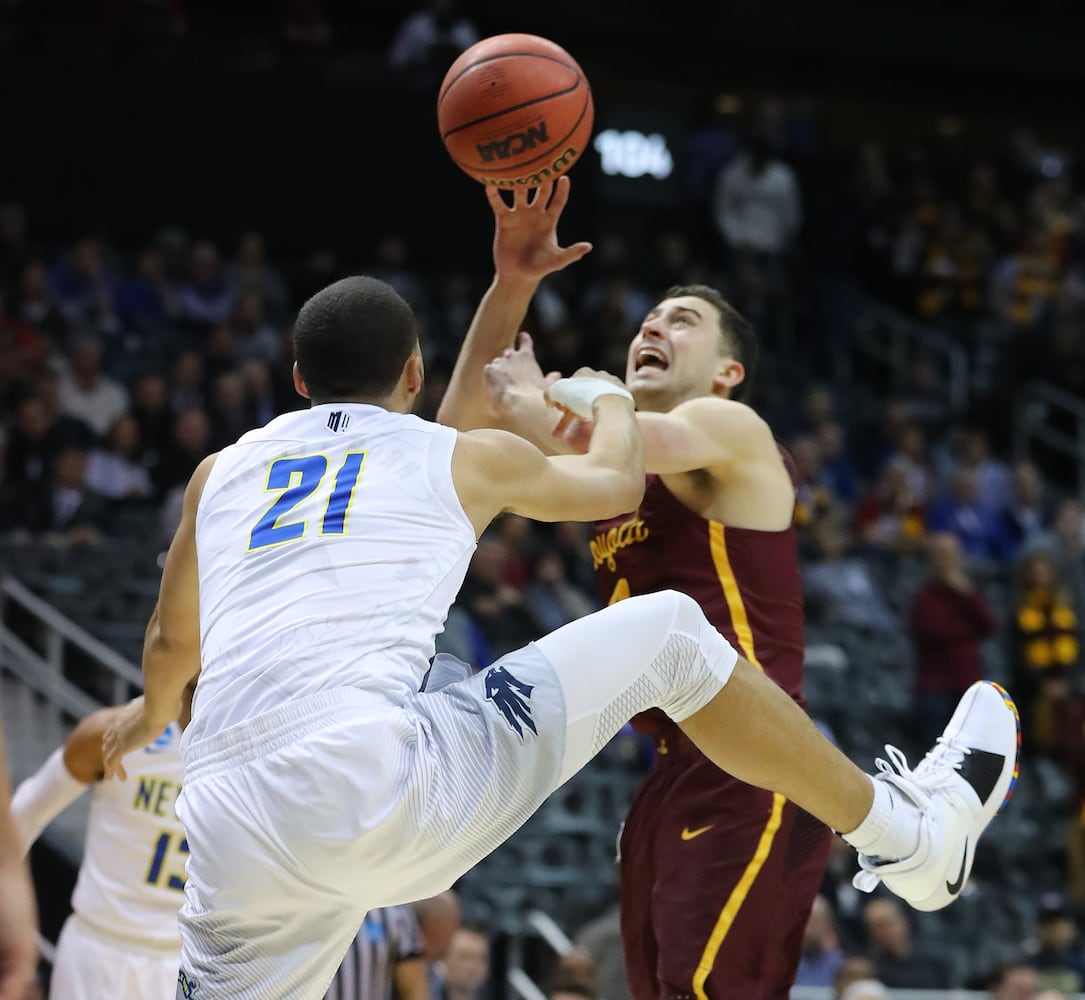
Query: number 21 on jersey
{"x": 297, "y": 479}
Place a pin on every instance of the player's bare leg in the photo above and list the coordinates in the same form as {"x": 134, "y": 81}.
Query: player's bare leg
{"x": 756, "y": 732}
{"x": 915, "y": 829}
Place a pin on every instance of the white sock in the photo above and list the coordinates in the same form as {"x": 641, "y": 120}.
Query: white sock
{"x": 890, "y": 830}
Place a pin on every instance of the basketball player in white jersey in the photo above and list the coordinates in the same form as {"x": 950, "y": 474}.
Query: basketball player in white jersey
{"x": 121, "y": 942}
{"x": 315, "y": 562}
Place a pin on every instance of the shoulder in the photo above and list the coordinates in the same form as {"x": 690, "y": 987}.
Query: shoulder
{"x": 745, "y": 428}
{"x": 491, "y": 469}
{"x": 196, "y": 484}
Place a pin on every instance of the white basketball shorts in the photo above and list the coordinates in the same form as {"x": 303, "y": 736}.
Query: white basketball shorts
{"x": 93, "y": 965}
{"x": 301, "y": 820}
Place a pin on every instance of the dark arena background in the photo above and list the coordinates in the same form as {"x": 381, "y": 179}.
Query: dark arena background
{"x": 177, "y": 177}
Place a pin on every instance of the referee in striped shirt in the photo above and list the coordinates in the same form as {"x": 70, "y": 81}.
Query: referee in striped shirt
{"x": 385, "y": 961}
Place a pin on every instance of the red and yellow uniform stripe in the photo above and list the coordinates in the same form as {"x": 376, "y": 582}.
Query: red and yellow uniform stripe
{"x": 744, "y": 634}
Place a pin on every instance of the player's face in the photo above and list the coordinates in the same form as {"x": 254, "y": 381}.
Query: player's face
{"x": 675, "y": 355}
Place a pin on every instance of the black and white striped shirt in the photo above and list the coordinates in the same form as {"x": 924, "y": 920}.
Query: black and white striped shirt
{"x": 386, "y": 938}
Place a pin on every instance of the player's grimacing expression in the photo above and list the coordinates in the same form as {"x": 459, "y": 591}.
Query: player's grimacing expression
{"x": 676, "y": 355}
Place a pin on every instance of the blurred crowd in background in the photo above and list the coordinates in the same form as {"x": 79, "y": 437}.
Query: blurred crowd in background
{"x": 122, "y": 366}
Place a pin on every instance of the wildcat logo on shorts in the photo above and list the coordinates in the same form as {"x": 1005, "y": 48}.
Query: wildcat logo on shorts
{"x": 186, "y": 988}
{"x": 512, "y": 698}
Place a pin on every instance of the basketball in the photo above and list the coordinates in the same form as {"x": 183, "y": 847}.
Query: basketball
{"x": 515, "y": 111}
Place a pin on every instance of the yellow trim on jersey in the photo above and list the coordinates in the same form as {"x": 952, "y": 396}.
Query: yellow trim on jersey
{"x": 732, "y": 594}
{"x": 738, "y": 896}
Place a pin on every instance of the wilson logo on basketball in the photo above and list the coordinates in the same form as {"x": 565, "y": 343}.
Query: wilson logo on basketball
{"x": 559, "y": 166}
{"x": 513, "y": 145}
{"x": 607, "y": 543}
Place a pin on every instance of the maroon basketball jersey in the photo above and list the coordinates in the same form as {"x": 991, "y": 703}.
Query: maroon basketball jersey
{"x": 746, "y": 582}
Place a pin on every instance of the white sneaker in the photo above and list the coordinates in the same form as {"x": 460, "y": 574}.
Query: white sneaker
{"x": 959, "y": 787}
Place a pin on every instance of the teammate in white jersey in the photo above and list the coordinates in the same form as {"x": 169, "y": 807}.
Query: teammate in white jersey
{"x": 314, "y": 564}
{"x": 122, "y": 941}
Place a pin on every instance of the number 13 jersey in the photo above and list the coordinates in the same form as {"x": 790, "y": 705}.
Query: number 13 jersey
{"x": 132, "y": 878}
{"x": 330, "y": 545}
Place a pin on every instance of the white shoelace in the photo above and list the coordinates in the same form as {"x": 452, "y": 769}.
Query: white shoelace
{"x": 937, "y": 767}
{"x": 934, "y": 770}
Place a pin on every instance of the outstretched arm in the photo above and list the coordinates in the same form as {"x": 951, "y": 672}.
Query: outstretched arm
{"x": 526, "y": 249}
{"x": 64, "y": 776}
{"x": 495, "y": 471}
{"x": 171, "y": 650}
{"x": 705, "y": 433}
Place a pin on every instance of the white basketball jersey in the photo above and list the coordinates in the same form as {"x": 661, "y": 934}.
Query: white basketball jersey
{"x": 132, "y": 879}
{"x": 330, "y": 544}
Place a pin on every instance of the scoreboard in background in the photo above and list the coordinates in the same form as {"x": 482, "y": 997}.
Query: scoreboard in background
{"x": 633, "y": 154}
{"x": 637, "y": 156}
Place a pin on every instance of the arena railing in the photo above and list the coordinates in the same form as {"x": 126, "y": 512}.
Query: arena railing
{"x": 890, "y": 338}
{"x": 1043, "y": 414}
{"x": 43, "y": 670}
{"x": 538, "y": 924}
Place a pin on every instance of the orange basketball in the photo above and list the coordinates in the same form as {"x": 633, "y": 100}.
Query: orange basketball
{"x": 515, "y": 111}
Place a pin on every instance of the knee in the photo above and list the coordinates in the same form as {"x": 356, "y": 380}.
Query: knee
{"x": 687, "y": 619}
{"x": 674, "y": 610}
{"x": 688, "y": 616}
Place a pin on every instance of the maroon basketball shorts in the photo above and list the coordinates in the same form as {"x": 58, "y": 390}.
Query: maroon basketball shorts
{"x": 718, "y": 879}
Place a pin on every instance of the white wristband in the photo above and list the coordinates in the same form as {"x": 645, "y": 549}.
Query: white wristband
{"x": 578, "y": 394}
{"x": 43, "y": 797}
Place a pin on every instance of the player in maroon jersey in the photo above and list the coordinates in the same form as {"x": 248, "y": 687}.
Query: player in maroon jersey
{"x": 718, "y": 877}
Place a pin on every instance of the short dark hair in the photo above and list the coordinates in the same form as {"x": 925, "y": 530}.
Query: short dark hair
{"x": 352, "y": 339}
{"x": 737, "y": 332}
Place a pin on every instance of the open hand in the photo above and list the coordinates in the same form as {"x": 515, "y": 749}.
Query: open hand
{"x": 526, "y": 244}
{"x": 130, "y": 730}
{"x": 515, "y": 372}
